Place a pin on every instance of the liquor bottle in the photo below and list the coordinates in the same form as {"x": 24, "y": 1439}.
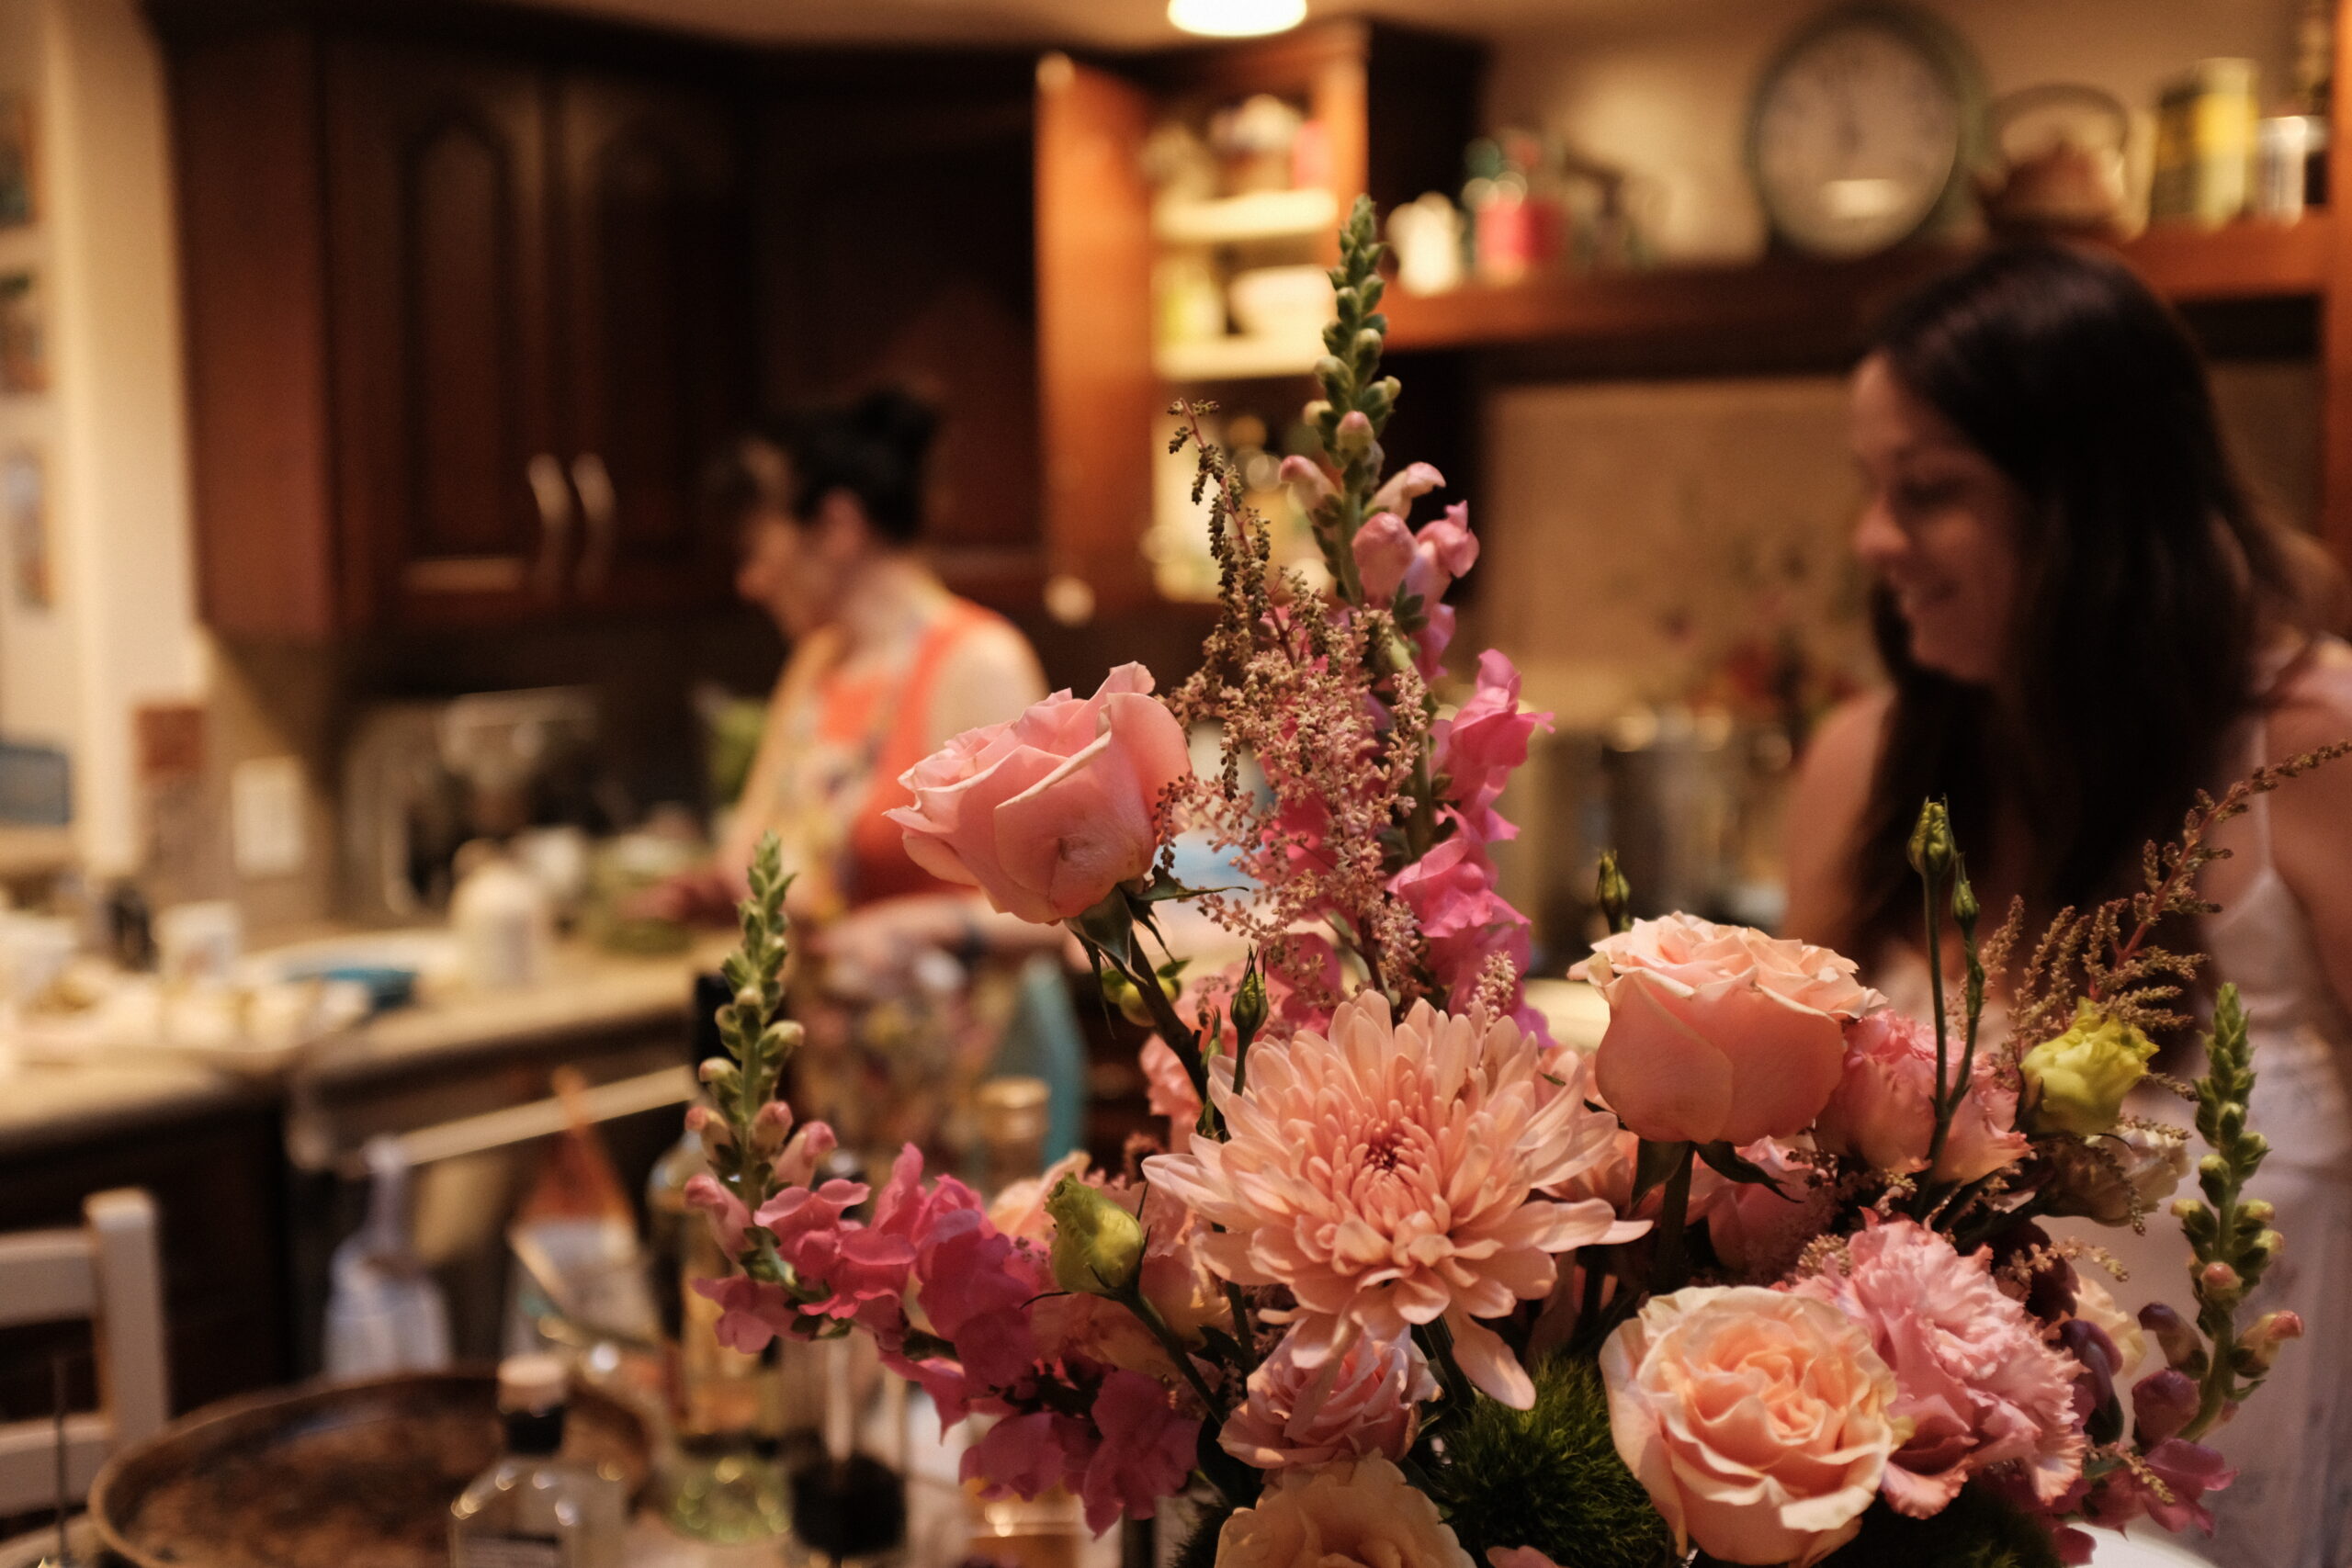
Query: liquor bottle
{"x": 531, "y": 1509}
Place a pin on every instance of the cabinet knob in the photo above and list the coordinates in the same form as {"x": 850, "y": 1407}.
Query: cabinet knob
{"x": 545, "y": 473}
{"x": 601, "y": 507}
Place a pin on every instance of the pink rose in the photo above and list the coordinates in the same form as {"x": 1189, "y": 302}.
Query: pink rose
{"x": 1978, "y": 1386}
{"x": 1720, "y": 1033}
{"x": 1883, "y": 1112}
{"x": 1047, "y": 814}
{"x": 1757, "y": 1421}
{"x": 1758, "y": 1231}
{"x": 1362, "y": 1400}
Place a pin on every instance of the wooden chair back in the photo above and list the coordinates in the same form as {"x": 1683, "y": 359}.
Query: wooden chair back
{"x": 105, "y": 1271}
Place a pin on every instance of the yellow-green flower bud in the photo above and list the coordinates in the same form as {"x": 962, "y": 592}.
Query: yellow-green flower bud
{"x": 1120, "y": 993}
{"x": 1098, "y": 1246}
{"x": 1933, "y": 849}
{"x": 1250, "y": 1003}
{"x": 2078, "y": 1081}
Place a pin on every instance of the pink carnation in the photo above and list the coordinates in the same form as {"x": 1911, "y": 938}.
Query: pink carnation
{"x": 1883, "y": 1112}
{"x": 1477, "y": 750}
{"x": 1976, "y": 1380}
{"x": 1385, "y": 1173}
{"x": 1364, "y": 1401}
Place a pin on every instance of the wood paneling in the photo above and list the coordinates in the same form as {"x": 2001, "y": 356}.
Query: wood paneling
{"x": 1095, "y": 257}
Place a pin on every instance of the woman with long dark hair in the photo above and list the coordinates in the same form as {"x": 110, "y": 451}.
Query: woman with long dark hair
{"x": 2084, "y": 622}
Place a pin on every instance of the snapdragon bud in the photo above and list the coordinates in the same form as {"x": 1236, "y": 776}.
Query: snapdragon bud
{"x": 2220, "y": 1280}
{"x": 2259, "y": 1211}
{"x": 2183, "y": 1347}
{"x": 2258, "y": 1349}
{"x": 1354, "y": 436}
{"x": 1098, "y": 1246}
{"x": 771, "y": 1125}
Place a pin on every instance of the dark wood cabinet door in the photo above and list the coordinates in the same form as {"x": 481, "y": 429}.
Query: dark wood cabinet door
{"x": 654, "y": 348}
{"x": 455, "y": 505}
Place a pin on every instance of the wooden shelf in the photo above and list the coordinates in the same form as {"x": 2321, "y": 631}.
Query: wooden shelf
{"x": 1260, "y": 215}
{"x": 1236, "y": 359}
{"x": 1682, "y": 307}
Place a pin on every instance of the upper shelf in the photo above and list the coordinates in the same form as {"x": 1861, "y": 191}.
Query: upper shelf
{"x": 1784, "y": 298}
{"x": 1259, "y": 215}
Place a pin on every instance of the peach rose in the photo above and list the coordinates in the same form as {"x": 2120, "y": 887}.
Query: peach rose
{"x": 1883, "y": 1112}
{"x": 1757, "y": 1420}
{"x": 1349, "y": 1513}
{"x": 1720, "y": 1033}
{"x": 1362, "y": 1400}
{"x": 1047, "y": 814}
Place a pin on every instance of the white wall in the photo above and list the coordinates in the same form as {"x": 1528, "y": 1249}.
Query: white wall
{"x": 1664, "y": 91}
{"x": 113, "y": 423}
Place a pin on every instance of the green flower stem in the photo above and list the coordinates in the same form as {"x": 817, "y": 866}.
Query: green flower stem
{"x": 1929, "y": 881}
{"x": 1670, "y": 1265}
{"x": 1136, "y": 1302}
{"x": 1245, "y": 1331}
{"x": 1436, "y": 1341}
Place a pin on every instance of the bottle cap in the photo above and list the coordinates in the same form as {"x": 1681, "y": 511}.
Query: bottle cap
{"x": 535, "y": 1383}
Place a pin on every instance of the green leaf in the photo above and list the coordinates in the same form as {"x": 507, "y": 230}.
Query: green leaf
{"x": 1725, "y": 1162}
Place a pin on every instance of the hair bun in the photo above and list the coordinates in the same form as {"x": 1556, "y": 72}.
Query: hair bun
{"x": 897, "y": 419}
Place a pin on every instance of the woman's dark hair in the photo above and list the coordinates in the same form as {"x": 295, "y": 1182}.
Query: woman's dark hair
{"x": 2145, "y": 582}
{"x": 873, "y": 449}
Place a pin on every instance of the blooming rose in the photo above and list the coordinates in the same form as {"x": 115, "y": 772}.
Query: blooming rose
{"x": 1883, "y": 1112}
{"x": 1720, "y": 1033}
{"x": 1757, "y": 1421}
{"x": 2078, "y": 1081}
{"x": 1364, "y": 1401}
{"x": 1977, "y": 1383}
{"x": 1383, "y": 1173}
{"x": 1047, "y": 814}
{"x": 1350, "y": 1514}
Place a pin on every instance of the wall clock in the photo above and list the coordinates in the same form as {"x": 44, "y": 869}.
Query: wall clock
{"x": 1863, "y": 130}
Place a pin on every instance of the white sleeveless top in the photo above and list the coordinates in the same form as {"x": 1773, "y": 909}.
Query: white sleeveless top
{"x": 2291, "y": 1504}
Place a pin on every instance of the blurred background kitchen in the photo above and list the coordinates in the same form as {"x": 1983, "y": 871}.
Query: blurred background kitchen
{"x": 368, "y": 645}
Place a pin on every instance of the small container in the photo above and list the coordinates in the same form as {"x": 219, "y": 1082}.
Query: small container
{"x": 531, "y": 1509}
{"x": 501, "y": 917}
{"x": 2205, "y": 144}
{"x": 2284, "y": 147}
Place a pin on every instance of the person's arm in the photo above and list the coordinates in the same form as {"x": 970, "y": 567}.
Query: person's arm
{"x": 1832, "y": 791}
{"x": 990, "y": 678}
{"x": 2310, "y": 817}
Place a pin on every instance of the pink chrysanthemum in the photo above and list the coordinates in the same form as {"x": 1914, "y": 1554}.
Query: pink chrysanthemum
{"x": 1977, "y": 1382}
{"x": 1385, "y": 1175}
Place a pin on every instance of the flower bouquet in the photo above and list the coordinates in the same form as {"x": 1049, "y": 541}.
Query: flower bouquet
{"x": 1763, "y": 1276}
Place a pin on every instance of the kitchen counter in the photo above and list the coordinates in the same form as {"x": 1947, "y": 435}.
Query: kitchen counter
{"x": 47, "y": 1105}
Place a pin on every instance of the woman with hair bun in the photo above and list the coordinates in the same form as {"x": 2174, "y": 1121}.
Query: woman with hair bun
{"x": 2085, "y": 622}
{"x": 886, "y": 665}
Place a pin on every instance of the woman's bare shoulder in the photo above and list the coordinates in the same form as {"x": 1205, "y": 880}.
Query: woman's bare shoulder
{"x": 2313, "y": 706}
{"x": 1833, "y": 789}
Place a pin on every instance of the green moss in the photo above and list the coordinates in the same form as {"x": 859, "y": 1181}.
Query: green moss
{"x": 1977, "y": 1531}
{"x": 1548, "y": 1478}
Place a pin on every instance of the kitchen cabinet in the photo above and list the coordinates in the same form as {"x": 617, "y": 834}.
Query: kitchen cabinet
{"x": 464, "y": 320}
{"x": 1392, "y": 109}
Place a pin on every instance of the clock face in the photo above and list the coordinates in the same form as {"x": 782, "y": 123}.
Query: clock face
{"x": 1858, "y": 131}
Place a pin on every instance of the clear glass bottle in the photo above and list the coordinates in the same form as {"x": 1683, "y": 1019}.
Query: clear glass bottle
{"x": 532, "y": 1509}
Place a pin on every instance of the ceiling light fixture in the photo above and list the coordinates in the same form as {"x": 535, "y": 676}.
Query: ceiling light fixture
{"x": 1235, "y": 18}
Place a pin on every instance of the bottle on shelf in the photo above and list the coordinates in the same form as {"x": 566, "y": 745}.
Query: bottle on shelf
{"x": 721, "y": 1481}
{"x": 532, "y": 1509}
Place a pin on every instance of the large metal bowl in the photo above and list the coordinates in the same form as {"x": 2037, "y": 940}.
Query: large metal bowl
{"x": 331, "y": 1475}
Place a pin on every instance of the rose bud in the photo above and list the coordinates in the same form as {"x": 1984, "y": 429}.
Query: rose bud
{"x": 2162, "y": 1403}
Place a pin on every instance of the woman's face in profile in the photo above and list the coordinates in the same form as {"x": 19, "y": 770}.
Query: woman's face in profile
{"x": 1941, "y": 528}
{"x": 774, "y": 571}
